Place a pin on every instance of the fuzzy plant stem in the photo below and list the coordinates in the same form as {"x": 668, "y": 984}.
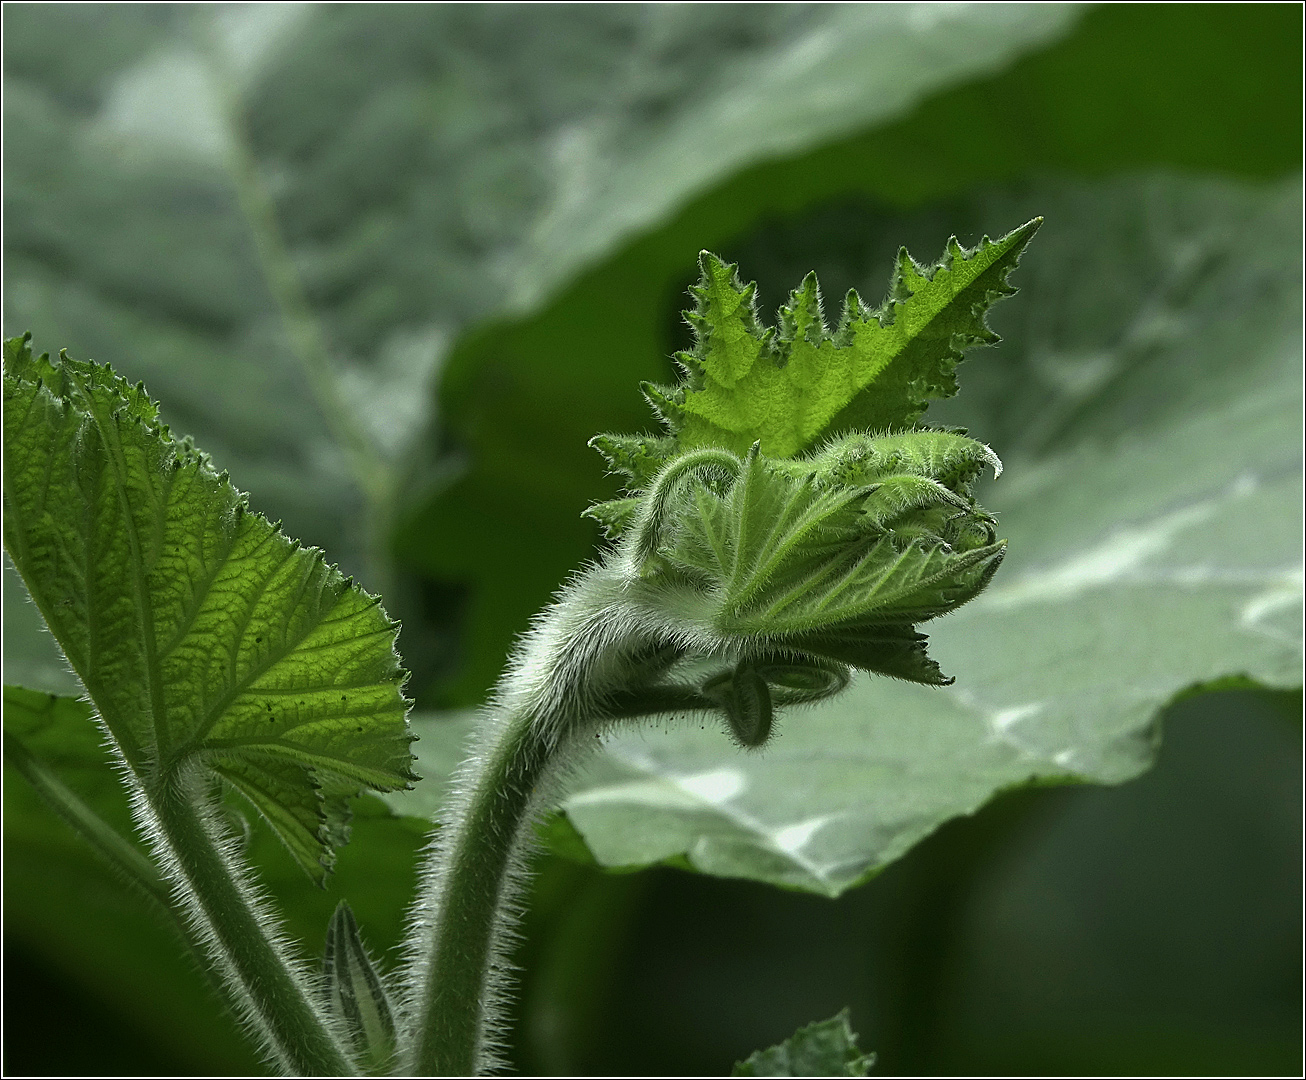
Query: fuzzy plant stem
{"x": 591, "y": 661}
{"x": 120, "y": 854}
{"x": 275, "y": 998}
{"x": 474, "y": 882}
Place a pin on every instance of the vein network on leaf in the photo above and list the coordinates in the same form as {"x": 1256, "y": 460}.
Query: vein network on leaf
{"x": 201, "y": 632}
{"x": 799, "y": 384}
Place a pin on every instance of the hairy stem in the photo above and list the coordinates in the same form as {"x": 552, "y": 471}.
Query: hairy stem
{"x": 466, "y": 911}
{"x": 119, "y": 852}
{"x": 648, "y": 528}
{"x": 606, "y": 652}
{"x": 589, "y": 662}
{"x": 275, "y": 997}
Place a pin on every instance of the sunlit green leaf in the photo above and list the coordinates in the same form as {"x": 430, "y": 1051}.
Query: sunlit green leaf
{"x": 874, "y": 372}
{"x": 197, "y": 628}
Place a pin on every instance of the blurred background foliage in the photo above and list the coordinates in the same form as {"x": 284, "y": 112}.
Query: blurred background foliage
{"x": 486, "y": 217}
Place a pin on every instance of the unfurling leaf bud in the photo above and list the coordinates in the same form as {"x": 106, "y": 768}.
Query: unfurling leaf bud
{"x": 745, "y": 698}
{"x": 796, "y": 520}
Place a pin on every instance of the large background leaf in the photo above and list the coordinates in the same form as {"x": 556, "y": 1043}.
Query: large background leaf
{"x": 431, "y": 166}
{"x": 1148, "y": 927}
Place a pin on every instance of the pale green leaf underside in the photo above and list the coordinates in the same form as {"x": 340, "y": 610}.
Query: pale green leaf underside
{"x": 825, "y": 1048}
{"x": 197, "y": 628}
{"x": 1141, "y": 559}
{"x": 785, "y": 556}
{"x": 862, "y": 65}
{"x": 876, "y": 372}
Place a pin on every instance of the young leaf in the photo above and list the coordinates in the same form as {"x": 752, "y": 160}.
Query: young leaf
{"x": 356, "y": 995}
{"x": 784, "y": 555}
{"x": 877, "y": 371}
{"x": 832, "y": 557}
{"x": 198, "y": 629}
{"x": 825, "y": 1048}
{"x": 787, "y": 390}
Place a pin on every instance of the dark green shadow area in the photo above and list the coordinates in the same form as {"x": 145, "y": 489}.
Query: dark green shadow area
{"x": 1148, "y": 929}
{"x": 102, "y": 1042}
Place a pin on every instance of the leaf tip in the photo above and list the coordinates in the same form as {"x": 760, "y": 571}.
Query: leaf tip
{"x": 1021, "y": 235}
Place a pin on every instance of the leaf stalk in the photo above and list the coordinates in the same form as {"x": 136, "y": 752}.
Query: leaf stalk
{"x": 273, "y": 992}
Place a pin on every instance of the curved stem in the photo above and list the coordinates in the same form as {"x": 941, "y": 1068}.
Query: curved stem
{"x": 648, "y": 529}
{"x": 594, "y": 659}
{"x": 119, "y": 852}
{"x": 475, "y": 869}
{"x": 275, "y": 998}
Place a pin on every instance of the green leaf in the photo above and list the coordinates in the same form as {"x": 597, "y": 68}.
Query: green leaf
{"x": 876, "y": 372}
{"x": 197, "y": 628}
{"x": 355, "y": 993}
{"x": 750, "y": 386}
{"x": 548, "y": 150}
{"x": 823, "y": 1048}
{"x": 784, "y": 555}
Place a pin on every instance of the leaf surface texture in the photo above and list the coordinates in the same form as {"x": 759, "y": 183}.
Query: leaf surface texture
{"x": 198, "y": 629}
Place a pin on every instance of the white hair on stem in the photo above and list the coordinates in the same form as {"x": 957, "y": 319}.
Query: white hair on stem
{"x": 194, "y": 789}
{"x": 563, "y": 677}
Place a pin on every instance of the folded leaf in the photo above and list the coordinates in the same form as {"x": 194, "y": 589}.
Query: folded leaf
{"x": 198, "y": 629}
{"x": 356, "y": 995}
{"x": 842, "y": 570}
